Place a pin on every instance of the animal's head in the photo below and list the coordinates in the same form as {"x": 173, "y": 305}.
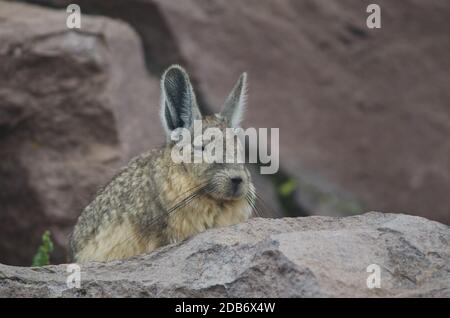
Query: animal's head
{"x": 179, "y": 111}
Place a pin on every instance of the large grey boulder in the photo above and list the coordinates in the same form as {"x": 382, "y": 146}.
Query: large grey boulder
{"x": 74, "y": 106}
{"x": 289, "y": 257}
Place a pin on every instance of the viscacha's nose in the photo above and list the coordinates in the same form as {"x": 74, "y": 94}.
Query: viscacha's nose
{"x": 236, "y": 181}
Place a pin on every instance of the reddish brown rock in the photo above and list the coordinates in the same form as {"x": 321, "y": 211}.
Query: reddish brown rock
{"x": 362, "y": 112}
{"x": 365, "y": 110}
{"x": 74, "y": 106}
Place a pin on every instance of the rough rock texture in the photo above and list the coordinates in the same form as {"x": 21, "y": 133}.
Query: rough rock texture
{"x": 290, "y": 257}
{"x": 74, "y": 106}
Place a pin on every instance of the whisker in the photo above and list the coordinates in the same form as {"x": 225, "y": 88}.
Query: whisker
{"x": 268, "y": 211}
{"x": 252, "y": 204}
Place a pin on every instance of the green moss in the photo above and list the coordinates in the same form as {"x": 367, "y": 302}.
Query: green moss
{"x": 42, "y": 256}
{"x": 287, "y": 188}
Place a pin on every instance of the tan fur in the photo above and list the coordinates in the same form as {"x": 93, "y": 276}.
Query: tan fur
{"x": 201, "y": 214}
{"x": 114, "y": 241}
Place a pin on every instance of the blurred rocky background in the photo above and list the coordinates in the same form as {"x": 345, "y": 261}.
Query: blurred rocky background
{"x": 364, "y": 115}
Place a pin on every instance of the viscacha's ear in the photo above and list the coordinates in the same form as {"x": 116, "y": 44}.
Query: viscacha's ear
{"x": 178, "y": 104}
{"x": 234, "y": 107}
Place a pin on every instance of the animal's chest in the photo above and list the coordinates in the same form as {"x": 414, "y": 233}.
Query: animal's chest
{"x": 204, "y": 215}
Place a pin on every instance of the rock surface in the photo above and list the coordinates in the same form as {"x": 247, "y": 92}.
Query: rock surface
{"x": 290, "y": 257}
{"x": 74, "y": 106}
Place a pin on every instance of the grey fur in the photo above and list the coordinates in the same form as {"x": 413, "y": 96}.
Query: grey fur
{"x": 235, "y": 104}
{"x": 179, "y": 105}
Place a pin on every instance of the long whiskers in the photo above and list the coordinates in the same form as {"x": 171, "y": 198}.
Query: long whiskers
{"x": 259, "y": 206}
{"x": 189, "y": 196}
